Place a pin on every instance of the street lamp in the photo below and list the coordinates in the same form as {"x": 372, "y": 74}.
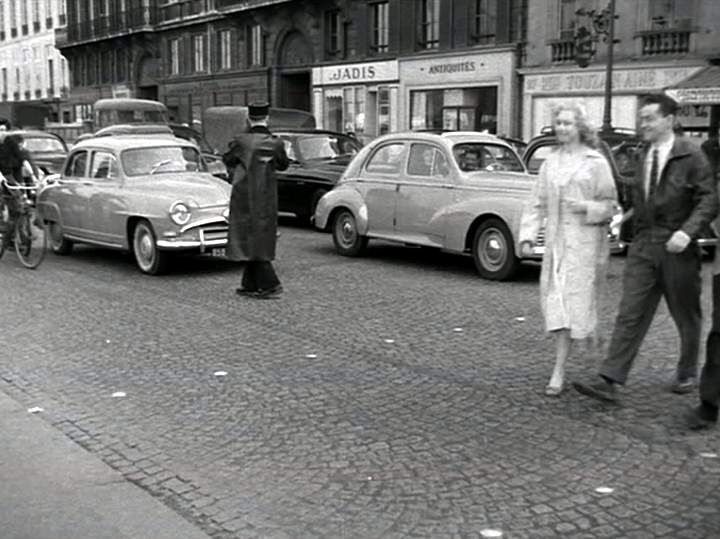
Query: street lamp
{"x": 603, "y": 24}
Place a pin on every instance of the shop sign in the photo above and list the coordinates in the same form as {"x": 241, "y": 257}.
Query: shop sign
{"x": 458, "y": 69}
{"x": 696, "y": 96}
{"x": 623, "y": 80}
{"x": 356, "y": 73}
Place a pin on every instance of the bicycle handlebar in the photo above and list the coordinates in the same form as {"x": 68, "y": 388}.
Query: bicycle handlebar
{"x": 35, "y": 185}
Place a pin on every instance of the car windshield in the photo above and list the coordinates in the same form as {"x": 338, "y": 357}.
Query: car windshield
{"x": 475, "y": 156}
{"x": 161, "y": 160}
{"x": 326, "y": 146}
{"x": 43, "y": 145}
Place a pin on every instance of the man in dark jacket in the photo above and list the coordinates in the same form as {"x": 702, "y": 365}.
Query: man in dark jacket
{"x": 252, "y": 160}
{"x": 674, "y": 199}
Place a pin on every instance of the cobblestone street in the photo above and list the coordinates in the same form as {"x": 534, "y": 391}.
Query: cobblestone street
{"x": 392, "y": 396}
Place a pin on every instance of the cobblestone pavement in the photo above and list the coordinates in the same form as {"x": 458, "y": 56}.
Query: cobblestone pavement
{"x": 392, "y": 396}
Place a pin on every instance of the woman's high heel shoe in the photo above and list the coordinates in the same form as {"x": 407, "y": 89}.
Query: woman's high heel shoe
{"x": 553, "y": 391}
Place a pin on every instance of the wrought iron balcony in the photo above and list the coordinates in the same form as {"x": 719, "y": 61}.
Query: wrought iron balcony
{"x": 118, "y": 22}
{"x": 563, "y": 50}
{"x": 665, "y": 42}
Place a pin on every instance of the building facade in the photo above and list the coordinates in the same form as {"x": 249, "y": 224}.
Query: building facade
{"x": 659, "y": 43}
{"x": 31, "y": 67}
{"x": 342, "y": 59}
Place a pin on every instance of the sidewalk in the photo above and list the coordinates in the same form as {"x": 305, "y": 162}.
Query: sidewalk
{"x": 50, "y": 488}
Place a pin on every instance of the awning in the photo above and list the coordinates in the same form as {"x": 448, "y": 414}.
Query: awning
{"x": 702, "y": 88}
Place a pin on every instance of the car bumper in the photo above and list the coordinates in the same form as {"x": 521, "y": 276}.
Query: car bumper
{"x": 200, "y": 236}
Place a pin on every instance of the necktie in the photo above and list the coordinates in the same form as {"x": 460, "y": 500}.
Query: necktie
{"x": 653, "y": 175}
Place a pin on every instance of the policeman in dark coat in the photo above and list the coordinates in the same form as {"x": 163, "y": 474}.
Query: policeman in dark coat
{"x": 252, "y": 160}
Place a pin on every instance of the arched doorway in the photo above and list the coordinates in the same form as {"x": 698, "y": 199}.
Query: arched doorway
{"x": 294, "y": 72}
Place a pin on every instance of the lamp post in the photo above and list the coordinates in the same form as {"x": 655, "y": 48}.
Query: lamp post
{"x": 603, "y": 23}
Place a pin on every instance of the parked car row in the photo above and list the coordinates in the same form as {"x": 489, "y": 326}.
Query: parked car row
{"x": 150, "y": 190}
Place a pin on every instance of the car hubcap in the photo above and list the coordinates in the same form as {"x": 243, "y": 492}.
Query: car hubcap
{"x": 492, "y": 249}
{"x": 346, "y": 231}
{"x": 145, "y": 249}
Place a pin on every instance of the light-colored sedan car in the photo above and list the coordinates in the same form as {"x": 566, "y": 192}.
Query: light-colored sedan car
{"x": 462, "y": 192}
{"x": 147, "y": 195}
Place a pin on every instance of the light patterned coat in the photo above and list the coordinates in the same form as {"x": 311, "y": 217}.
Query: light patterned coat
{"x": 574, "y": 265}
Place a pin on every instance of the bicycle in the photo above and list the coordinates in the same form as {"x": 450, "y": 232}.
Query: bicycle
{"x": 28, "y": 232}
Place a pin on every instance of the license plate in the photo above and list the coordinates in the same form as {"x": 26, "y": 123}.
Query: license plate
{"x": 218, "y": 251}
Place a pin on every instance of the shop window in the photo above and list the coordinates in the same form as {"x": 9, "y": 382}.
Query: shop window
{"x": 333, "y": 25}
{"x": 354, "y": 110}
{"x": 380, "y": 25}
{"x": 454, "y": 109}
{"x": 484, "y": 21}
{"x": 429, "y": 24}
{"x": 383, "y": 109}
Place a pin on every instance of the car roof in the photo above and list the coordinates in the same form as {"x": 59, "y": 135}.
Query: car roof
{"x": 306, "y": 131}
{"x": 443, "y": 138}
{"x": 124, "y": 142}
{"x": 30, "y": 133}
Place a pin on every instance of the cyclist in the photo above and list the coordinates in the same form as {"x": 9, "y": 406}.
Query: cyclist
{"x": 12, "y": 163}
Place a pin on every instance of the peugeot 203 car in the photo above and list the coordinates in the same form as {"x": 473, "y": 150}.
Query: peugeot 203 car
{"x": 151, "y": 196}
{"x": 462, "y": 192}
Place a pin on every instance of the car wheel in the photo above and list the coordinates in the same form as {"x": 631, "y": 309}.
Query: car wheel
{"x": 148, "y": 257}
{"x": 58, "y": 243}
{"x": 493, "y": 251}
{"x": 347, "y": 239}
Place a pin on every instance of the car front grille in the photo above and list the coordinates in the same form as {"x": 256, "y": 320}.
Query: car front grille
{"x": 213, "y": 233}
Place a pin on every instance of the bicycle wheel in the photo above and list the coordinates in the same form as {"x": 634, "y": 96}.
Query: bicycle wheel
{"x": 30, "y": 239}
{"x": 4, "y": 225}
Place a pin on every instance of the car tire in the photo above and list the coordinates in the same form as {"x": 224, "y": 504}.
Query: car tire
{"x": 493, "y": 251}
{"x": 347, "y": 239}
{"x": 59, "y": 244}
{"x": 148, "y": 257}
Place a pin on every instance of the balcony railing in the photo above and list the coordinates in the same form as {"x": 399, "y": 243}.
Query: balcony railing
{"x": 182, "y": 10}
{"x": 663, "y": 42}
{"x": 563, "y": 50}
{"x": 117, "y": 22}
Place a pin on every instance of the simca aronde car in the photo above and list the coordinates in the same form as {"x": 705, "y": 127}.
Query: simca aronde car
{"x": 148, "y": 195}
{"x": 462, "y": 192}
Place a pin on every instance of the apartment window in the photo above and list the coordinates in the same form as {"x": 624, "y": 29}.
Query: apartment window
{"x": 18, "y": 83}
{"x": 670, "y": 13}
{"x": 51, "y": 77}
{"x": 174, "y": 54}
{"x": 24, "y": 17}
{"x": 62, "y": 17}
{"x": 13, "y": 18}
{"x": 2, "y": 21}
{"x": 225, "y": 49}
{"x": 91, "y": 70}
{"x": 567, "y": 19}
{"x": 429, "y": 24}
{"x": 256, "y": 46}
{"x": 198, "y": 53}
{"x": 4, "y": 83}
{"x": 380, "y": 26}
{"x": 332, "y": 33}
{"x": 518, "y": 20}
{"x": 106, "y": 67}
{"x": 36, "y": 15}
{"x": 484, "y": 22}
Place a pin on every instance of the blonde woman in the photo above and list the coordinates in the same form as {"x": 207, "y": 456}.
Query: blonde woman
{"x": 575, "y": 198}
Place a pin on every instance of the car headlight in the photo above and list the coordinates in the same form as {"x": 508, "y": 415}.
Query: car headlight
{"x": 180, "y": 213}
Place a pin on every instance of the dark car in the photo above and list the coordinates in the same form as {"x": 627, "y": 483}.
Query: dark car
{"x": 212, "y": 159}
{"x": 47, "y": 150}
{"x": 317, "y": 160}
{"x": 619, "y": 148}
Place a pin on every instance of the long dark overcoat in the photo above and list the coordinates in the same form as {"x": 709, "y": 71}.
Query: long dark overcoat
{"x": 252, "y": 160}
